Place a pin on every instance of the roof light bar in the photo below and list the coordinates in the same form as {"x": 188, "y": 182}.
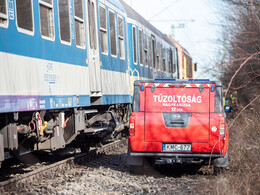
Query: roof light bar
{"x": 199, "y": 80}
{"x": 165, "y": 79}
{"x": 182, "y": 80}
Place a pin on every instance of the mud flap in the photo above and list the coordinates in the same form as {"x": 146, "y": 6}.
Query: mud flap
{"x": 135, "y": 164}
{"x": 134, "y": 160}
{"x": 221, "y": 162}
{"x": 2, "y": 157}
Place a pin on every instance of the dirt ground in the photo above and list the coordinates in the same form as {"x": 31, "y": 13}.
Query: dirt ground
{"x": 110, "y": 175}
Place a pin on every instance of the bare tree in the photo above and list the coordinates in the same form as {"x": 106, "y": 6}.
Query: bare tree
{"x": 241, "y": 70}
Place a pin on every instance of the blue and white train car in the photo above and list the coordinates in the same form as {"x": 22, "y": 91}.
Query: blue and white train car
{"x": 151, "y": 54}
{"x": 113, "y": 52}
{"x": 67, "y": 68}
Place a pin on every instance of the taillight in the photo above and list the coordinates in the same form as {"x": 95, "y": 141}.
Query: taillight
{"x": 221, "y": 125}
{"x": 132, "y": 125}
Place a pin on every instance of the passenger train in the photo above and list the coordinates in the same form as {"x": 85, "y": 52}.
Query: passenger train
{"x": 67, "y": 69}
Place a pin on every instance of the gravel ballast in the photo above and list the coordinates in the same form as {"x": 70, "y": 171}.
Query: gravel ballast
{"x": 110, "y": 174}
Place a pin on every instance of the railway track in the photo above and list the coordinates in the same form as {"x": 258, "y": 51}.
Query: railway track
{"x": 49, "y": 171}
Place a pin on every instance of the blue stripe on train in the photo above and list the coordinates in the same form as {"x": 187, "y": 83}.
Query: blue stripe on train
{"x": 31, "y": 103}
{"x": 116, "y": 99}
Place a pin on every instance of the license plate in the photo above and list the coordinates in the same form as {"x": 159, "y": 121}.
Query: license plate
{"x": 177, "y": 147}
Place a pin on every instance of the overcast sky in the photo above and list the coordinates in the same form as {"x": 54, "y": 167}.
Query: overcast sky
{"x": 200, "y": 31}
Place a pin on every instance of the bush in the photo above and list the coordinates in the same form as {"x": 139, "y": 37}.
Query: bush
{"x": 240, "y": 72}
{"x": 244, "y": 174}
{"x": 240, "y": 69}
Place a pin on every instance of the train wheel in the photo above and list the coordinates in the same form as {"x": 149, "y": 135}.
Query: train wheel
{"x": 14, "y": 153}
{"x": 119, "y": 136}
{"x": 85, "y": 148}
{"x": 84, "y": 145}
{"x": 28, "y": 159}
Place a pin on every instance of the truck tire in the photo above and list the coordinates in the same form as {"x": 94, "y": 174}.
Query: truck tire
{"x": 218, "y": 170}
{"x": 220, "y": 164}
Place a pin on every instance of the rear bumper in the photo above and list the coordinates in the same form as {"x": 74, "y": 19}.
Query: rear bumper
{"x": 184, "y": 155}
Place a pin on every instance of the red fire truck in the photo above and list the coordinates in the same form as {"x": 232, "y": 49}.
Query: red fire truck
{"x": 177, "y": 120}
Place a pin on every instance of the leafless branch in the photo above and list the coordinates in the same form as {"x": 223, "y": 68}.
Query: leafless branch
{"x": 240, "y": 69}
{"x": 243, "y": 110}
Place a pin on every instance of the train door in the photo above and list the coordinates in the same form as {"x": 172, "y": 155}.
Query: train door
{"x": 93, "y": 49}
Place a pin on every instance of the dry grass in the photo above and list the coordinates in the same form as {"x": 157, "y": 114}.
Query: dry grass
{"x": 243, "y": 176}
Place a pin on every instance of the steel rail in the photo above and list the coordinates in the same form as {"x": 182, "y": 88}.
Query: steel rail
{"x": 28, "y": 179}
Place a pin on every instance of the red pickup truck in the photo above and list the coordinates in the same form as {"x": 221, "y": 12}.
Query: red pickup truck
{"x": 177, "y": 120}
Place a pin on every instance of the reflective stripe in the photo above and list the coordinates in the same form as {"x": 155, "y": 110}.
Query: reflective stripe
{"x": 172, "y": 85}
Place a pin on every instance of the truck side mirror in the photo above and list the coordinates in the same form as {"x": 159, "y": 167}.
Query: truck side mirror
{"x": 228, "y": 109}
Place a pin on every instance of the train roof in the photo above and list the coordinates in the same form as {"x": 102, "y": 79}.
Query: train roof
{"x": 131, "y": 13}
{"x": 177, "y": 44}
{"x": 117, "y": 3}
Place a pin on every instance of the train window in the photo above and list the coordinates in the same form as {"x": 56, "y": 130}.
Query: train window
{"x": 153, "y": 51}
{"x": 141, "y": 59}
{"x": 184, "y": 66}
{"x": 92, "y": 25}
{"x": 103, "y": 29}
{"x": 150, "y": 52}
{"x": 78, "y": 8}
{"x": 3, "y": 7}
{"x": 159, "y": 67}
{"x": 3, "y": 13}
{"x": 167, "y": 60}
{"x": 79, "y": 23}
{"x": 46, "y": 18}
{"x": 112, "y": 30}
{"x": 24, "y": 16}
{"x": 158, "y": 62}
{"x": 48, "y": 1}
{"x": 170, "y": 60}
{"x": 164, "y": 61}
{"x": 164, "y": 65}
{"x": 189, "y": 67}
{"x": 145, "y": 50}
{"x": 90, "y": 21}
{"x": 174, "y": 60}
{"x": 161, "y": 53}
{"x": 121, "y": 37}
{"x": 134, "y": 45}
{"x": 64, "y": 18}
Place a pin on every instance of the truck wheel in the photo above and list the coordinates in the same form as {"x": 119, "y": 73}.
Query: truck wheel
{"x": 220, "y": 164}
{"x": 218, "y": 170}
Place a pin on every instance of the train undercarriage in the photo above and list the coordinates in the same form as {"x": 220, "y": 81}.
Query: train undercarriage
{"x": 50, "y": 130}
